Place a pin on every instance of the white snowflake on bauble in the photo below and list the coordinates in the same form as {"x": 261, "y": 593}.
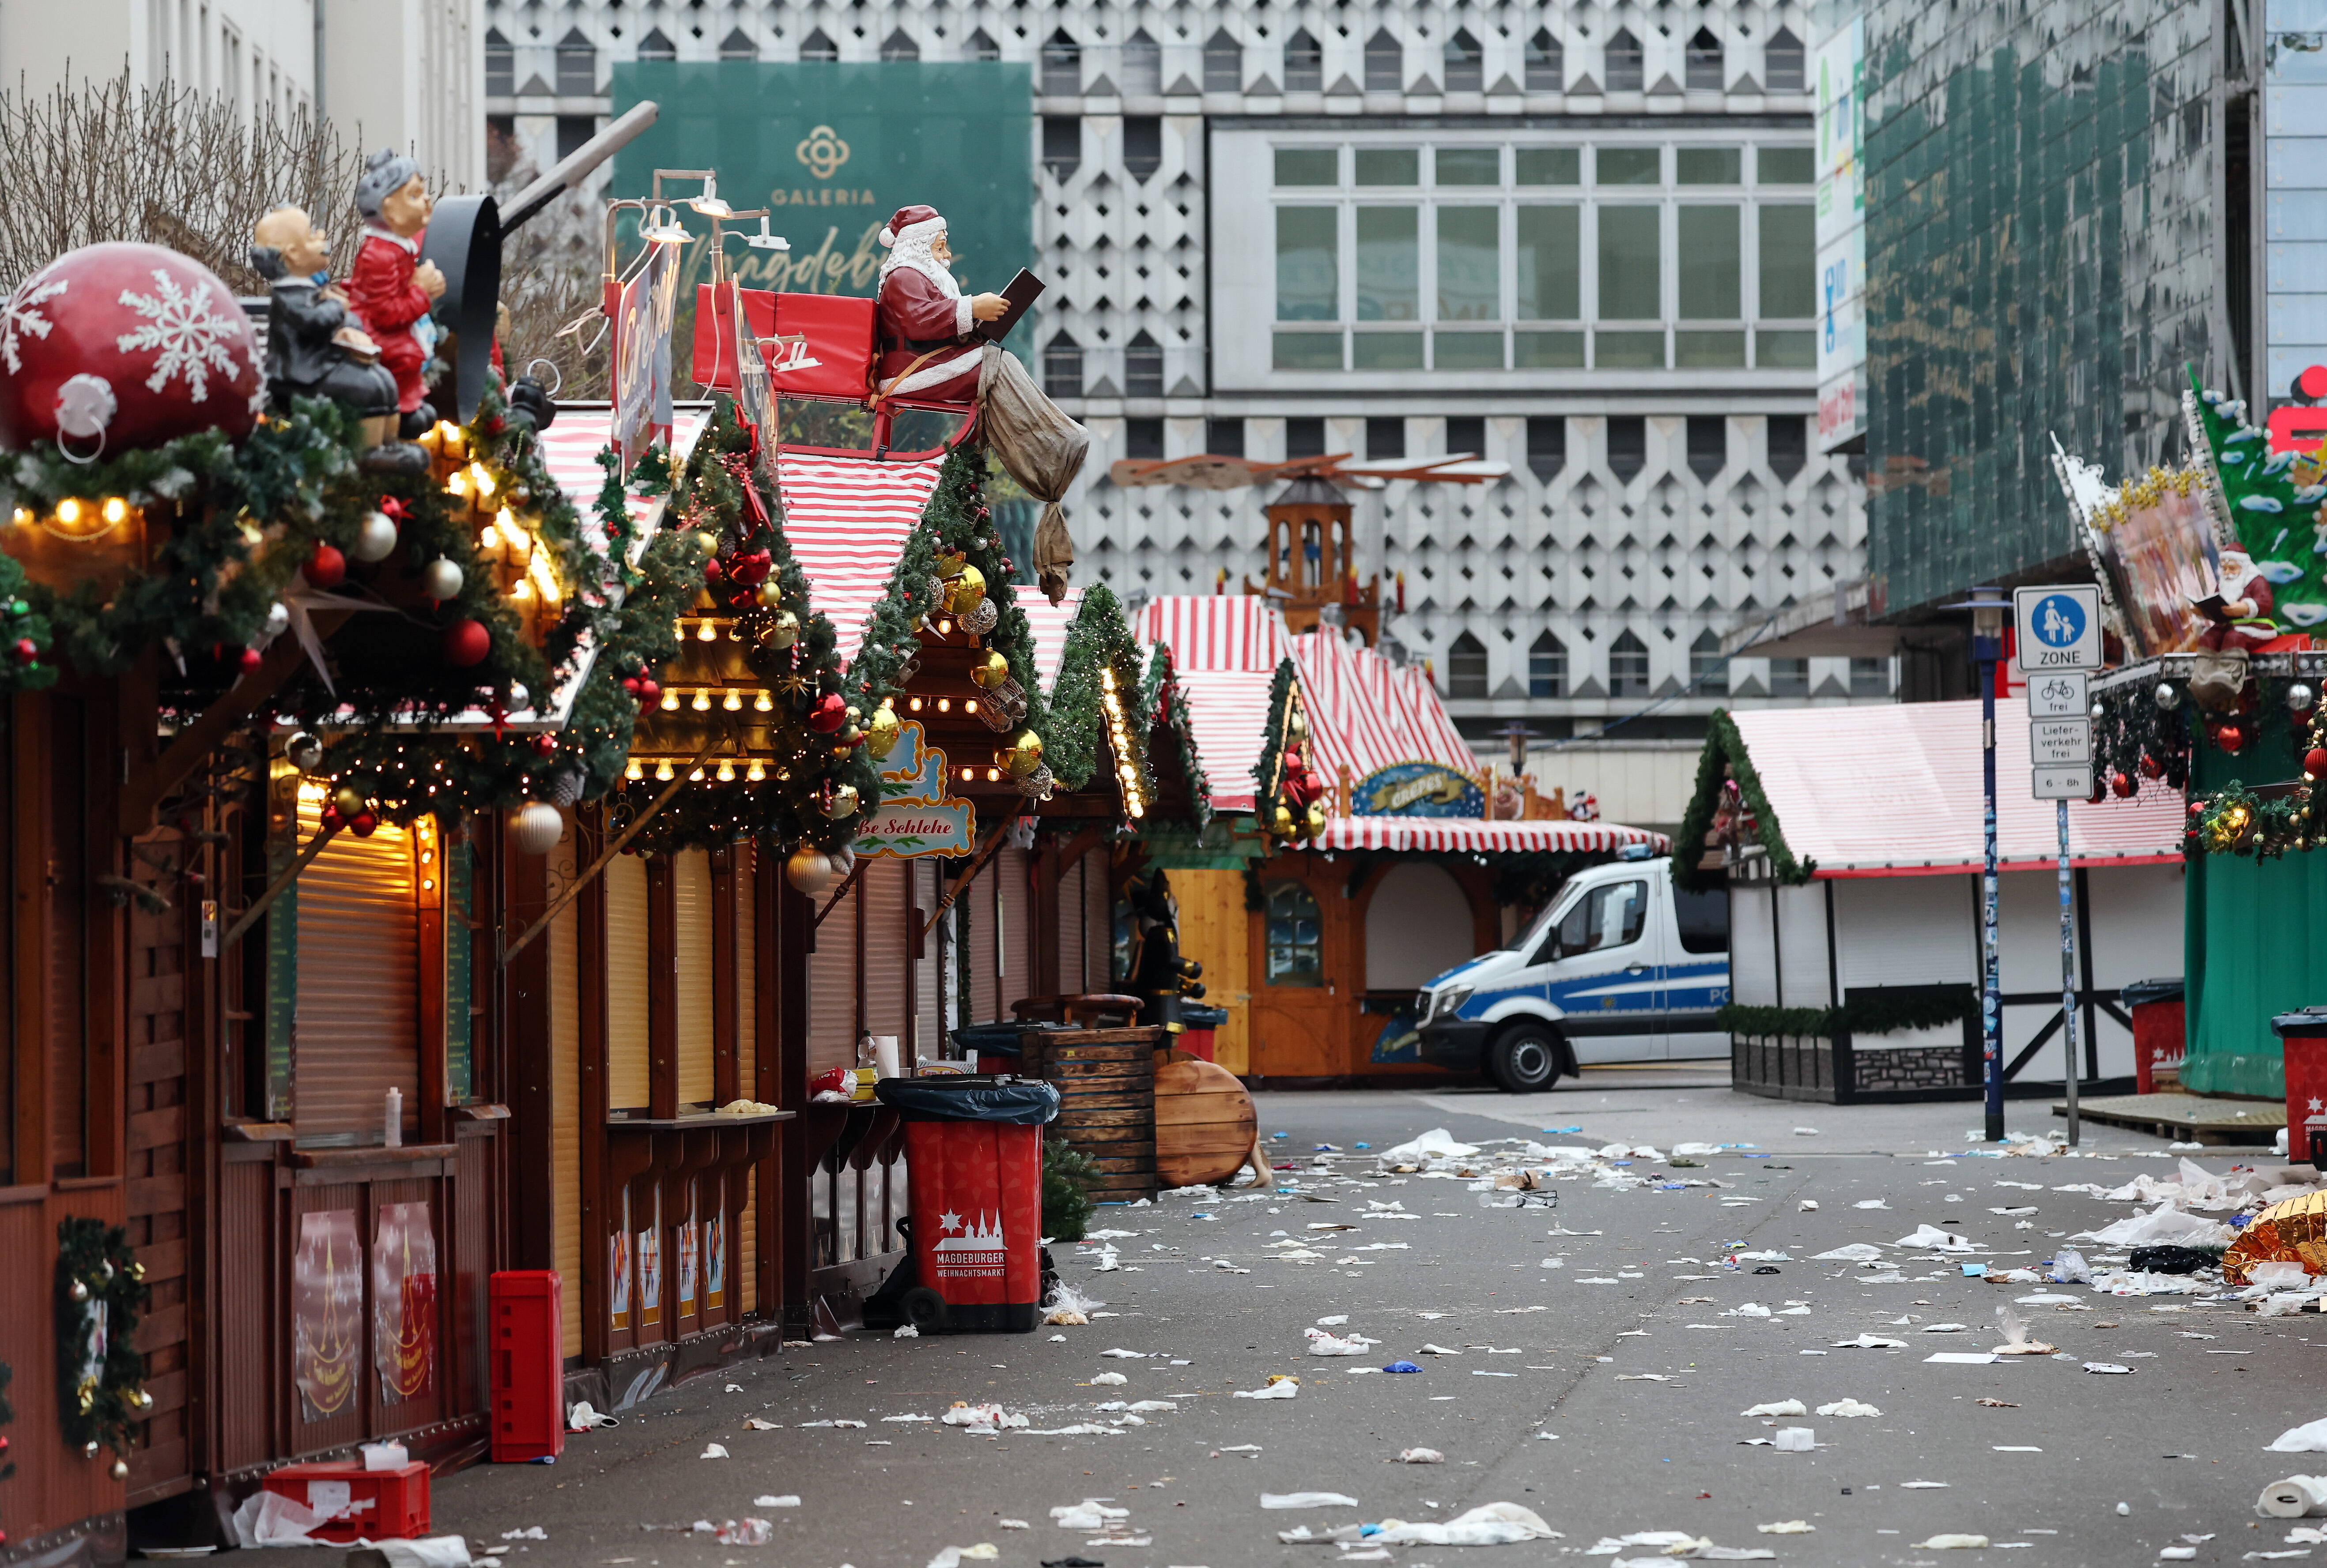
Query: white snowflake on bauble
{"x": 19, "y": 316}
{"x": 188, "y": 338}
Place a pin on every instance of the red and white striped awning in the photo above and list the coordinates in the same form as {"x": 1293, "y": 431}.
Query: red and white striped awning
{"x": 1470, "y": 835}
{"x": 847, "y": 520}
{"x": 1048, "y": 623}
{"x": 1367, "y": 714}
{"x": 1240, "y": 631}
{"x": 1227, "y": 711}
{"x": 570, "y": 448}
{"x": 1895, "y": 791}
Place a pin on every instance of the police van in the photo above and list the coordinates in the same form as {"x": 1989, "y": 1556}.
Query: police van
{"x": 1620, "y": 966}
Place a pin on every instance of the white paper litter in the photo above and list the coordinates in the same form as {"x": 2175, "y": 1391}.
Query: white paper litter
{"x": 2309, "y": 1438}
{"x": 1848, "y": 1407}
{"x": 1108, "y": 1379}
{"x": 1788, "y": 1527}
{"x": 787, "y": 1500}
{"x": 1420, "y": 1456}
{"x": 1931, "y": 1237}
{"x": 1797, "y": 1439}
{"x": 1856, "y": 1252}
{"x": 1492, "y": 1524}
{"x": 1869, "y": 1342}
{"x": 1952, "y": 1543}
{"x": 2164, "y": 1226}
{"x": 2294, "y": 1497}
{"x": 1287, "y": 1389}
{"x": 1090, "y": 1514}
{"x": 1437, "y": 1144}
{"x": 981, "y": 1418}
{"x": 713, "y": 1450}
{"x": 1306, "y": 1500}
{"x": 1776, "y": 1407}
{"x": 1322, "y": 1343}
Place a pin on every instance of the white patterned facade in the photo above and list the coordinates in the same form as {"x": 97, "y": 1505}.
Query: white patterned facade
{"x": 1654, "y": 404}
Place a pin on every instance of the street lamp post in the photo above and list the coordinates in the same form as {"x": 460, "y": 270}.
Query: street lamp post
{"x": 1987, "y": 606}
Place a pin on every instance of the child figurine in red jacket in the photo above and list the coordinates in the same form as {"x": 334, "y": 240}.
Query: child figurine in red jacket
{"x": 392, "y": 288}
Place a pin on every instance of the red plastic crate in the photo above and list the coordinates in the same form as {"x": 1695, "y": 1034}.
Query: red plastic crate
{"x": 526, "y": 1352}
{"x": 839, "y": 332}
{"x": 376, "y": 1505}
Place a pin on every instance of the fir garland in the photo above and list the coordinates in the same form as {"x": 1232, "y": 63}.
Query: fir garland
{"x": 26, "y": 640}
{"x": 1724, "y": 758}
{"x": 2136, "y": 737}
{"x": 1875, "y": 1013}
{"x": 1165, "y": 703}
{"x": 100, "y": 1294}
{"x": 1075, "y": 741}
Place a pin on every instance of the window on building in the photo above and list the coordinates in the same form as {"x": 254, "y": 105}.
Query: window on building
{"x": 1547, "y": 165}
{"x": 1708, "y": 672}
{"x": 1785, "y": 166}
{"x": 1062, "y": 366}
{"x": 1790, "y": 444}
{"x": 1549, "y": 273}
{"x": 1708, "y": 165}
{"x": 1467, "y": 165}
{"x": 1224, "y": 437}
{"x": 1546, "y": 439}
{"x": 1389, "y": 264}
{"x": 500, "y": 66}
{"x": 1707, "y": 247}
{"x": 1466, "y": 666}
{"x": 1708, "y": 445}
{"x": 1781, "y": 62}
{"x": 1628, "y": 445}
{"x": 1467, "y": 432}
{"x": 1389, "y": 166}
{"x": 980, "y": 46}
{"x": 1701, "y": 63}
{"x": 1143, "y": 145}
{"x": 1143, "y": 438}
{"x": 1469, "y": 271}
{"x": 1305, "y": 63}
{"x": 573, "y": 132}
{"x": 1789, "y": 259}
{"x": 1546, "y": 63}
{"x": 501, "y": 148}
{"x": 577, "y": 66}
{"x": 738, "y": 45}
{"x": 1308, "y": 166}
{"x": 1308, "y": 264}
{"x": 1143, "y": 66}
{"x": 1790, "y": 677}
{"x": 1296, "y": 936}
{"x": 1142, "y": 373}
{"x": 1632, "y": 263}
{"x": 1624, "y": 62}
{"x": 1466, "y": 66}
{"x": 1627, "y": 166}
{"x": 1062, "y": 143}
{"x": 1384, "y": 62}
{"x": 1223, "y": 63}
{"x": 1305, "y": 438}
{"x": 654, "y": 46}
{"x": 1061, "y": 66}
{"x": 1547, "y": 667}
{"x": 1385, "y": 438}
{"x": 899, "y": 46}
{"x": 1628, "y": 667}
{"x": 815, "y": 46}
{"x": 1870, "y": 678}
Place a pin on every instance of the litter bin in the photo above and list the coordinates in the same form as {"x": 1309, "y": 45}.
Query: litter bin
{"x": 1196, "y": 1039}
{"x": 2158, "y": 1036}
{"x": 973, "y": 1149}
{"x": 2303, "y": 1037}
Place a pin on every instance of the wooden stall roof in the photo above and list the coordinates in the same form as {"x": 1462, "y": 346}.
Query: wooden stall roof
{"x": 847, "y": 520}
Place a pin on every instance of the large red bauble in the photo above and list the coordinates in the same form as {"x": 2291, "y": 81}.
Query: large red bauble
{"x": 466, "y": 642}
{"x": 2314, "y": 761}
{"x": 2230, "y": 739}
{"x": 326, "y": 568}
{"x": 135, "y": 343}
{"x": 2122, "y": 786}
{"x": 829, "y": 714}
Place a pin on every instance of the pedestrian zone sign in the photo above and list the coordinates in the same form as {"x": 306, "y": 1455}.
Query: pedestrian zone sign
{"x": 2060, "y": 628}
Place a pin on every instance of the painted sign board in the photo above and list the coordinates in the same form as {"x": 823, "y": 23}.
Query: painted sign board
{"x": 1418, "y": 789}
{"x": 916, "y": 818}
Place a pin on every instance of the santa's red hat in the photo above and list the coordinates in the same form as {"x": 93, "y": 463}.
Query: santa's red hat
{"x": 911, "y": 220}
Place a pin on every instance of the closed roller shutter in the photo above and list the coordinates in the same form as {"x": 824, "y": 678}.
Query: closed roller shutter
{"x": 978, "y": 949}
{"x": 628, "y": 1080}
{"x": 565, "y": 1094}
{"x": 1017, "y": 983}
{"x": 928, "y": 975}
{"x": 832, "y": 989}
{"x": 1070, "y": 929}
{"x": 1099, "y": 925}
{"x": 691, "y": 934}
{"x": 358, "y": 1029}
{"x": 747, "y": 1056}
{"x": 883, "y": 887}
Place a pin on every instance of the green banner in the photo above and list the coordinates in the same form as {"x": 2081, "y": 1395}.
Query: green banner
{"x": 832, "y": 151}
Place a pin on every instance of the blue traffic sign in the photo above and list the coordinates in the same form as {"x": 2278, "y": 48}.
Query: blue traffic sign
{"x": 2060, "y": 628}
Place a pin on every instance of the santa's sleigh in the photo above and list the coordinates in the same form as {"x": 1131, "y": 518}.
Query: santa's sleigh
{"x": 817, "y": 349}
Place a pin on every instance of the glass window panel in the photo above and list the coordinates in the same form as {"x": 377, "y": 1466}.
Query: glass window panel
{"x": 1548, "y": 351}
{"x": 1628, "y": 165}
{"x": 1549, "y": 166}
{"x": 1704, "y": 166}
{"x": 1390, "y": 271}
{"x": 1386, "y": 352}
{"x": 1707, "y": 249}
{"x": 1389, "y": 166}
{"x": 1295, "y": 937}
{"x": 1468, "y": 166}
{"x": 1308, "y": 264}
{"x": 1631, "y": 269}
{"x": 1469, "y": 266}
{"x": 1630, "y": 352}
{"x": 1786, "y": 351}
{"x": 1467, "y": 350}
{"x": 1307, "y": 351}
{"x": 1702, "y": 350}
{"x": 1550, "y": 277}
{"x": 1308, "y": 166}
{"x": 1788, "y": 260}
{"x": 1785, "y": 166}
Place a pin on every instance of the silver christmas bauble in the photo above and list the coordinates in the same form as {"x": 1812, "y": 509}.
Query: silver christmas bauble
{"x": 811, "y": 870}
{"x": 303, "y": 751}
{"x": 2299, "y": 696}
{"x": 375, "y": 540}
{"x": 440, "y": 579}
{"x": 278, "y": 618}
{"x": 536, "y": 827}
{"x": 2168, "y": 694}
{"x": 2094, "y": 713}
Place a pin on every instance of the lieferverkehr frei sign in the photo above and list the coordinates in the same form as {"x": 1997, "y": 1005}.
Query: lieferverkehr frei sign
{"x": 832, "y": 149}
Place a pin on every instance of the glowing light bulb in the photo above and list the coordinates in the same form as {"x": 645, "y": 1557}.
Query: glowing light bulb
{"x": 670, "y": 700}
{"x": 969, "y": 704}
{"x": 69, "y": 511}
{"x": 703, "y": 701}
{"x": 115, "y": 509}
{"x": 635, "y": 770}
{"x": 735, "y": 703}
{"x": 706, "y": 633}
{"x": 754, "y": 773}
{"x": 522, "y": 592}
{"x": 763, "y": 703}
{"x": 993, "y": 775}
{"x": 695, "y": 777}
{"x": 726, "y": 773}
{"x": 663, "y": 773}
{"x": 482, "y": 477}
{"x": 913, "y": 705}
{"x": 489, "y": 538}
{"x": 945, "y": 704}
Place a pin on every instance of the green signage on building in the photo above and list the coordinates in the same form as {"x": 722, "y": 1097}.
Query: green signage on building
{"x": 832, "y": 149}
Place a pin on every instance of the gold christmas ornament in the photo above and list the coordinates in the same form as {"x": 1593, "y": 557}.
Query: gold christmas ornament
{"x": 784, "y": 633}
{"x": 1282, "y": 822}
{"x": 881, "y": 731}
{"x": 1313, "y": 823}
{"x": 988, "y": 673}
{"x": 968, "y": 592}
{"x": 1296, "y": 725}
{"x": 121, "y": 1469}
{"x": 954, "y": 565}
{"x": 1023, "y": 755}
{"x": 841, "y": 803}
{"x": 348, "y": 800}
{"x": 810, "y": 871}
{"x": 770, "y": 592}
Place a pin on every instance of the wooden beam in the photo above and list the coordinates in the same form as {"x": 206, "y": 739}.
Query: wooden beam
{"x": 275, "y": 888}
{"x": 677, "y": 782}
{"x": 838, "y": 894}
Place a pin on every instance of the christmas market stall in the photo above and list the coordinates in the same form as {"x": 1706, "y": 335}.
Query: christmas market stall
{"x": 1850, "y": 844}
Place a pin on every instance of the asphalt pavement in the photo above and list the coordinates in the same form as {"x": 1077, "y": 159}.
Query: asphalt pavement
{"x": 1603, "y": 1393}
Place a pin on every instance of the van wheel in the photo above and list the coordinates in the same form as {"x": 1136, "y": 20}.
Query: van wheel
{"x": 1524, "y": 1058}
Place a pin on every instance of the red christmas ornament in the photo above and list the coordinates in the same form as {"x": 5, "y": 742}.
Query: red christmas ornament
{"x": 119, "y": 346}
{"x": 751, "y": 570}
{"x": 2314, "y": 761}
{"x": 545, "y": 745}
{"x": 712, "y": 571}
{"x": 2230, "y": 738}
{"x": 326, "y": 568}
{"x": 365, "y": 823}
{"x": 330, "y": 818}
{"x": 466, "y": 642}
{"x": 2151, "y": 768}
{"x": 2122, "y": 786}
{"x": 249, "y": 660}
{"x": 27, "y": 650}
{"x": 630, "y": 685}
{"x": 649, "y": 690}
{"x": 2197, "y": 807}
{"x": 828, "y": 714}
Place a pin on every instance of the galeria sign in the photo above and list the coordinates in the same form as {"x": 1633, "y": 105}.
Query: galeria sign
{"x": 2060, "y": 628}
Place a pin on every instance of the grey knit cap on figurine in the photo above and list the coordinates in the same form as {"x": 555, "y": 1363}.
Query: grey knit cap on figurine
{"x": 385, "y": 171}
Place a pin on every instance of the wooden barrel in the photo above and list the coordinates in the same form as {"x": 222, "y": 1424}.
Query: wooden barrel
{"x": 1105, "y": 1079}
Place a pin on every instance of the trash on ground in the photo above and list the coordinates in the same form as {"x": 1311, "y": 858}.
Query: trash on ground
{"x": 1952, "y": 1543}
{"x": 2308, "y": 1438}
{"x": 1277, "y": 1388}
{"x": 747, "y": 1532}
{"x": 1090, "y": 1514}
{"x": 1796, "y": 1439}
{"x": 2294, "y": 1497}
{"x": 1788, "y": 1527}
{"x": 2107, "y": 1367}
{"x": 1778, "y": 1407}
{"x": 583, "y": 1418}
{"x": 1108, "y": 1379}
{"x": 950, "y": 1556}
{"x": 1491, "y": 1525}
{"x": 1869, "y": 1342}
{"x": 1322, "y": 1343}
{"x": 713, "y": 1450}
{"x": 2016, "y": 1342}
{"x": 1420, "y": 1456}
{"x": 1848, "y": 1407}
{"x": 982, "y": 1417}
{"x": 907, "y": 1331}
{"x": 1401, "y": 1367}
{"x": 1306, "y": 1500}
{"x": 787, "y": 1500}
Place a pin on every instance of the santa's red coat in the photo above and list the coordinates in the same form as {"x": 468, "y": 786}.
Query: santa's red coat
{"x": 383, "y": 294}
{"x": 916, "y": 317}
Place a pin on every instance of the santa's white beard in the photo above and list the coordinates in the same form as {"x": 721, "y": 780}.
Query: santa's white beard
{"x": 919, "y": 251}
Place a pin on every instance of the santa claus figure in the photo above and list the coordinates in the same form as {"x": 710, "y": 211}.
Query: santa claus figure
{"x": 926, "y": 349}
{"x": 392, "y": 288}
{"x": 2246, "y": 604}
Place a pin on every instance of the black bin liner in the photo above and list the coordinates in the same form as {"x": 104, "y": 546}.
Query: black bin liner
{"x": 2310, "y": 1023}
{"x": 1197, "y": 1015}
{"x": 2142, "y": 992}
{"x": 971, "y": 1097}
{"x": 986, "y": 1040}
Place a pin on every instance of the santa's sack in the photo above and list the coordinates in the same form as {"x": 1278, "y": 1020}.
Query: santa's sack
{"x": 1042, "y": 448}
{"x": 838, "y": 359}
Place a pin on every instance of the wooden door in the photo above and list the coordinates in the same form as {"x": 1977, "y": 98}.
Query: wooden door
{"x": 1215, "y": 931}
{"x": 1295, "y": 1006}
